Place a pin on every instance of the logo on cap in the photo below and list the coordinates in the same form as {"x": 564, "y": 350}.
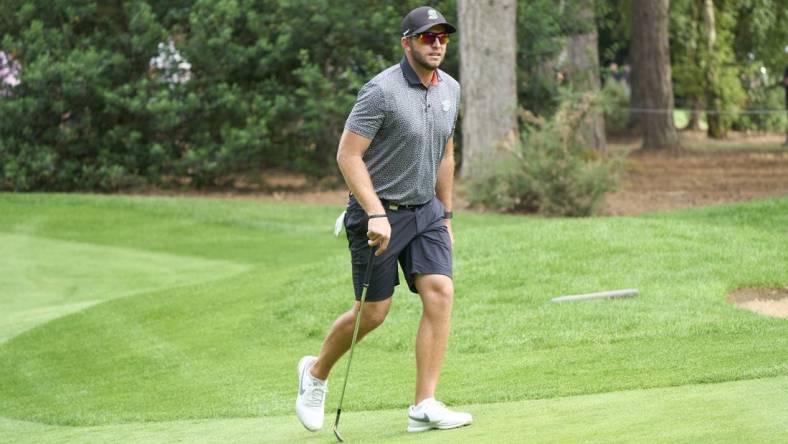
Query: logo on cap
{"x": 432, "y": 14}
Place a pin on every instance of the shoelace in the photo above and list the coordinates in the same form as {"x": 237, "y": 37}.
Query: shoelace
{"x": 316, "y": 394}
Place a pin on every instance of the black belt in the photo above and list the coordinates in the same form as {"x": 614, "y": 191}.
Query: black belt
{"x": 393, "y": 206}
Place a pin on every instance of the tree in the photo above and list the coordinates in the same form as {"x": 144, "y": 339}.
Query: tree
{"x": 759, "y": 39}
{"x": 712, "y": 71}
{"x": 583, "y": 71}
{"x": 488, "y": 78}
{"x": 724, "y": 93}
{"x": 542, "y": 29}
{"x": 686, "y": 54}
{"x": 651, "y": 74}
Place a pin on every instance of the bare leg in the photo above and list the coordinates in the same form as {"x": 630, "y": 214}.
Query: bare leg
{"x": 338, "y": 340}
{"x": 437, "y": 294}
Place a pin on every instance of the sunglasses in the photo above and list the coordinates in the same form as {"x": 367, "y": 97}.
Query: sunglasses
{"x": 428, "y": 38}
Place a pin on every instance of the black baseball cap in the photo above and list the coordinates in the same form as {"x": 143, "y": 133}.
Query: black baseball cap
{"x": 422, "y": 19}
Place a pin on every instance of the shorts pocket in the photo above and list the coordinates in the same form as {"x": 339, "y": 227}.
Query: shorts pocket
{"x": 356, "y": 221}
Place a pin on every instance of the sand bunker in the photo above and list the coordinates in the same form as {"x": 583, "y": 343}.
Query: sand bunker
{"x": 766, "y": 301}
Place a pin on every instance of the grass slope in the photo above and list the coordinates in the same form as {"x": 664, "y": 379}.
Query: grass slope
{"x": 45, "y": 279}
{"x": 223, "y": 297}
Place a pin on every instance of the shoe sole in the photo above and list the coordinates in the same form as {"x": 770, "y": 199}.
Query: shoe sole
{"x": 428, "y": 427}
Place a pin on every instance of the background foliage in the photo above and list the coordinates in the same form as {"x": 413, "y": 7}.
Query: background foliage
{"x": 271, "y": 81}
{"x": 272, "y": 84}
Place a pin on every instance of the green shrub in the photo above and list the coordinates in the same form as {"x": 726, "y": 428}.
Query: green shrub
{"x": 548, "y": 171}
{"x": 267, "y": 84}
{"x": 615, "y": 98}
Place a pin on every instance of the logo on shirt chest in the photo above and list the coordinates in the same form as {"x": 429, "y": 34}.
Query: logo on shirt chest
{"x": 446, "y": 105}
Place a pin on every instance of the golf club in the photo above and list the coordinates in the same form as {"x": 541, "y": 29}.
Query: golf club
{"x": 367, "y": 277}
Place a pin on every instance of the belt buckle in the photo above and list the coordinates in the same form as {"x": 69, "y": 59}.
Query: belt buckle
{"x": 393, "y": 207}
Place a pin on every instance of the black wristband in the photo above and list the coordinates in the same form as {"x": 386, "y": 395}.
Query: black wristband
{"x": 373, "y": 216}
{"x": 448, "y": 214}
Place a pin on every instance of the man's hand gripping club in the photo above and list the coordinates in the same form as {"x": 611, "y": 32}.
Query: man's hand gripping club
{"x": 379, "y": 234}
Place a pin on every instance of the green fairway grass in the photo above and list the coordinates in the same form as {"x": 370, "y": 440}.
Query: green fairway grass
{"x": 83, "y": 275}
{"x": 167, "y": 319}
{"x": 736, "y": 412}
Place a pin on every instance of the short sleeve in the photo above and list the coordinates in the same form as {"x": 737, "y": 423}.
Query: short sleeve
{"x": 366, "y": 117}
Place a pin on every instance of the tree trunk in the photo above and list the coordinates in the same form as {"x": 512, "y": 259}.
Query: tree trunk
{"x": 694, "y": 58}
{"x": 636, "y": 100}
{"x": 488, "y": 53}
{"x": 716, "y": 128}
{"x": 651, "y": 68}
{"x": 694, "y": 120}
{"x": 583, "y": 71}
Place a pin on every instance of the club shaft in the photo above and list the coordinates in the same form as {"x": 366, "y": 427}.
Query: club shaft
{"x": 367, "y": 278}
{"x": 352, "y": 345}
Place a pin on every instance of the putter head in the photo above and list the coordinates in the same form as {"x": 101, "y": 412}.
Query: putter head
{"x": 336, "y": 424}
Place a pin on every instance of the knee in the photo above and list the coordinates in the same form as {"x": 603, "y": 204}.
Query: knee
{"x": 439, "y": 297}
{"x": 374, "y": 314}
{"x": 373, "y": 320}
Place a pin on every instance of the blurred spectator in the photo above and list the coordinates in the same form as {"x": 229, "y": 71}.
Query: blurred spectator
{"x": 625, "y": 74}
{"x": 560, "y": 77}
{"x": 619, "y": 74}
{"x": 615, "y": 74}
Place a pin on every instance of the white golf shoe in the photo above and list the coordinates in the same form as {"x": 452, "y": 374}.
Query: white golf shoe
{"x": 311, "y": 395}
{"x": 432, "y": 414}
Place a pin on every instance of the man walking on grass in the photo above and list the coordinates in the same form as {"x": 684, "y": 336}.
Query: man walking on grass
{"x": 396, "y": 154}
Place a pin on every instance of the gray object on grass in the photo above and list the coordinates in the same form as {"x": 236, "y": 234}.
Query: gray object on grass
{"x": 628, "y": 293}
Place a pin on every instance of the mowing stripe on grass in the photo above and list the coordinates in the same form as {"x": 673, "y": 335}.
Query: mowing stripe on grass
{"x": 43, "y": 279}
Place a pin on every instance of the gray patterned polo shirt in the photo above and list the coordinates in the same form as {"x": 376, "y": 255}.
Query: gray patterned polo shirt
{"x": 409, "y": 125}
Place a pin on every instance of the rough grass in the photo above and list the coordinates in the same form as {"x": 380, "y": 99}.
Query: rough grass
{"x": 171, "y": 310}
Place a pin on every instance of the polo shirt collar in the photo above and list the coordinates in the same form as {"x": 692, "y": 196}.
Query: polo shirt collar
{"x": 413, "y": 78}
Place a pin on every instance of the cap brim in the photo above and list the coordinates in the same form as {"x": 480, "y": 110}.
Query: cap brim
{"x": 449, "y": 27}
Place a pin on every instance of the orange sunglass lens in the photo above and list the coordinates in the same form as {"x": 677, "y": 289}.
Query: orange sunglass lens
{"x": 429, "y": 37}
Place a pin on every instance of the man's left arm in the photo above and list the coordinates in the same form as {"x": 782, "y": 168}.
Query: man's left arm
{"x": 445, "y": 182}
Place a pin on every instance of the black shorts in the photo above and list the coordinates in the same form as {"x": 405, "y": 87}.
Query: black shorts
{"x": 419, "y": 241}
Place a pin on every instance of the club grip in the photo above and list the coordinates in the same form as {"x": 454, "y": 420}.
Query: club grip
{"x": 368, "y": 272}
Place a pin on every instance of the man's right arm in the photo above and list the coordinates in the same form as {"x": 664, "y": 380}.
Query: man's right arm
{"x": 351, "y": 163}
